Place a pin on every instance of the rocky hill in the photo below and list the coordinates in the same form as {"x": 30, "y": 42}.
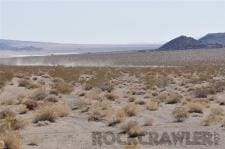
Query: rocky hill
{"x": 213, "y": 38}
{"x": 209, "y": 41}
{"x": 182, "y": 43}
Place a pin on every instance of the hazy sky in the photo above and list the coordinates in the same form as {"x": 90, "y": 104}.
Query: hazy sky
{"x": 152, "y": 21}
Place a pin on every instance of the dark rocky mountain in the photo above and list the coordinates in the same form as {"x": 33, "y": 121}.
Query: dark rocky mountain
{"x": 182, "y": 43}
{"x": 209, "y": 41}
{"x": 213, "y": 38}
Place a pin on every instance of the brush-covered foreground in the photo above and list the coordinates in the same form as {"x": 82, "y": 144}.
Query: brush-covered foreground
{"x": 60, "y": 107}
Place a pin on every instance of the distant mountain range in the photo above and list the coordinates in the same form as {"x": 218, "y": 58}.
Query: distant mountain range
{"x": 51, "y": 48}
{"x": 6, "y": 46}
{"x": 16, "y": 47}
{"x": 212, "y": 40}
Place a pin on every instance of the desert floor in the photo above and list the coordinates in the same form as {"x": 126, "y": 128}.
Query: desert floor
{"x": 125, "y": 59}
{"x": 67, "y": 107}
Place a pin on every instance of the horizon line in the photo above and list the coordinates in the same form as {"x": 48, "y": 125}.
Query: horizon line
{"x": 82, "y": 43}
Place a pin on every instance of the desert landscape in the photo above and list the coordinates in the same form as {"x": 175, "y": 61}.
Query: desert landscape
{"x": 116, "y": 74}
{"x": 168, "y": 97}
{"x": 51, "y": 107}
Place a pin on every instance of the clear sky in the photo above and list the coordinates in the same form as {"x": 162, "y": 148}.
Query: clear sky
{"x": 68, "y": 21}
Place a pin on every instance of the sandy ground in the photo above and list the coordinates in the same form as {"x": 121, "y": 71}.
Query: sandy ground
{"x": 212, "y": 56}
{"x": 75, "y": 130}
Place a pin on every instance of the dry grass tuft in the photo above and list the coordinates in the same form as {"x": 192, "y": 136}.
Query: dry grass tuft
{"x": 132, "y": 144}
{"x": 96, "y": 115}
{"x": 39, "y": 94}
{"x": 131, "y": 109}
{"x": 202, "y": 92}
{"x": 111, "y": 96}
{"x": 51, "y": 112}
{"x": 217, "y": 111}
{"x": 180, "y": 114}
{"x": 45, "y": 113}
{"x": 30, "y": 104}
{"x": 63, "y": 87}
{"x": 160, "y": 81}
{"x": 195, "y": 107}
{"x": 51, "y": 98}
{"x": 215, "y": 116}
{"x": 7, "y": 113}
{"x": 173, "y": 98}
{"x": 133, "y": 129}
{"x": 120, "y": 116}
{"x": 152, "y": 105}
{"x": 106, "y": 87}
{"x": 27, "y": 84}
{"x": 5, "y": 76}
{"x": 9, "y": 102}
{"x": 11, "y": 140}
{"x": 11, "y": 123}
{"x": 94, "y": 94}
{"x": 81, "y": 104}
{"x": 209, "y": 120}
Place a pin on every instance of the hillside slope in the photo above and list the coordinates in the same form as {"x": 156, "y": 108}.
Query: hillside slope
{"x": 213, "y": 38}
{"x": 210, "y": 41}
{"x": 182, "y": 43}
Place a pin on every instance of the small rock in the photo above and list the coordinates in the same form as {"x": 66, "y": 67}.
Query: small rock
{"x": 81, "y": 94}
{"x": 42, "y": 123}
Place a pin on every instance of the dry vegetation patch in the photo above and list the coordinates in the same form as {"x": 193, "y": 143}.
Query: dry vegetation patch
{"x": 131, "y": 109}
{"x": 11, "y": 140}
{"x": 180, "y": 114}
{"x": 195, "y": 107}
{"x": 133, "y": 129}
{"x": 132, "y": 144}
{"x": 152, "y": 105}
{"x": 215, "y": 116}
{"x": 97, "y": 91}
{"x": 50, "y": 112}
{"x": 9, "y": 101}
{"x": 119, "y": 117}
{"x": 39, "y": 94}
{"x": 63, "y": 87}
{"x": 7, "y": 113}
{"x": 5, "y": 76}
{"x": 111, "y": 96}
{"x": 51, "y": 98}
{"x": 30, "y": 104}
{"x": 11, "y": 123}
{"x": 27, "y": 84}
{"x": 173, "y": 98}
{"x": 203, "y": 92}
